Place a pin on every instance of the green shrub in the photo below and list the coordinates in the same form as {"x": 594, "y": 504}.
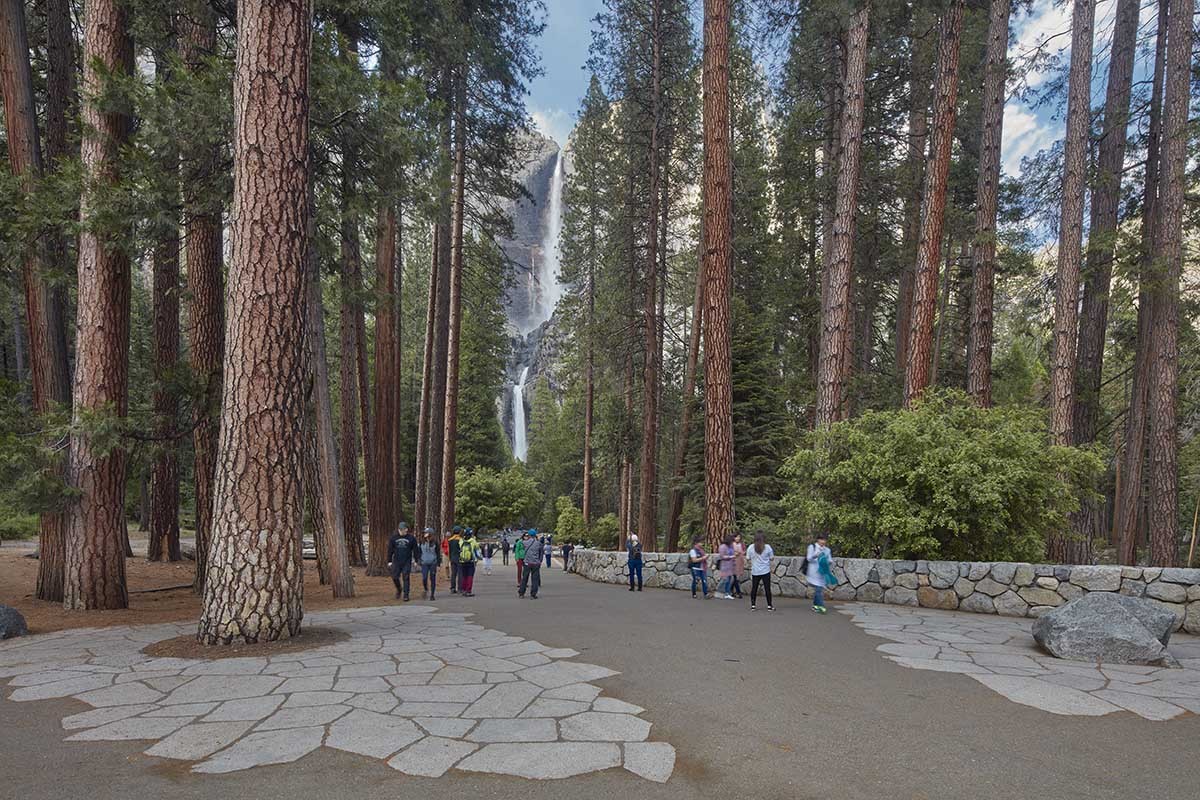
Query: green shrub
{"x": 568, "y": 526}
{"x": 486, "y": 498}
{"x": 945, "y": 480}
{"x": 604, "y": 533}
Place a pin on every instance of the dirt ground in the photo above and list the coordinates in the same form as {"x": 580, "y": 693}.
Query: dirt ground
{"x": 158, "y": 592}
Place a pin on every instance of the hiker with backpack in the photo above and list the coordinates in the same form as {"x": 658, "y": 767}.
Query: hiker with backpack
{"x": 454, "y": 549}
{"x": 820, "y": 571}
{"x": 402, "y": 554}
{"x": 430, "y": 555}
{"x": 698, "y": 562}
{"x": 760, "y": 554}
{"x": 634, "y": 563}
{"x": 531, "y": 577}
{"x": 469, "y": 553}
{"x": 505, "y": 546}
{"x": 565, "y": 551}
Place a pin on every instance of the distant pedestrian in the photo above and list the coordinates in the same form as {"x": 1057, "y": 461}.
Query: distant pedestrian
{"x": 726, "y": 558}
{"x": 633, "y": 549}
{"x": 519, "y": 554}
{"x": 739, "y": 565}
{"x": 489, "y": 549}
{"x": 566, "y": 551}
{"x": 531, "y": 578}
{"x": 455, "y": 550}
{"x": 549, "y": 549}
{"x": 505, "y": 546}
{"x": 402, "y": 554}
{"x": 698, "y": 562}
{"x": 820, "y": 572}
{"x": 760, "y": 569}
{"x": 431, "y": 559}
{"x": 468, "y": 556}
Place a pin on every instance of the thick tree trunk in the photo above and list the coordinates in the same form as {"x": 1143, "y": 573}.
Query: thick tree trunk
{"x": 839, "y": 259}
{"x": 689, "y": 403}
{"x": 95, "y": 532}
{"x": 983, "y": 248}
{"x": 254, "y": 589}
{"x": 933, "y": 206}
{"x": 1164, "y": 382}
{"x": 385, "y": 516}
{"x": 349, "y": 440}
{"x": 648, "y": 491}
{"x": 1068, "y": 548}
{"x": 204, "y": 243}
{"x": 43, "y": 303}
{"x": 421, "y": 518}
{"x": 1127, "y": 513}
{"x": 164, "y": 479}
{"x": 718, "y": 267}
{"x": 454, "y": 311}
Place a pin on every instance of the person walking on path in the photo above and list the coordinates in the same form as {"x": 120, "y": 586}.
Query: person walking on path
{"x": 549, "y": 549}
{"x": 739, "y": 565}
{"x": 505, "y": 546}
{"x": 820, "y": 574}
{"x": 698, "y": 561}
{"x": 726, "y": 559}
{"x": 489, "y": 550}
{"x": 519, "y": 554}
{"x": 430, "y": 556}
{"x": 402, "y": 554}
{"x": 633, "y": 549}
{"x": 454, "y": 551}
{"x": 531, "y": 577}
{"x": 760, "y": 570}
{"x": 469, "y": 553}
{"x": 566, "y": 551}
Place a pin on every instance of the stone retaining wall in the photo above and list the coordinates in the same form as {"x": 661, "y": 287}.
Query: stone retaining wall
{"x": 983, "y": 587}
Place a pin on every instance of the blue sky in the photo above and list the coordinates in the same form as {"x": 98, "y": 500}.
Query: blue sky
{"x": 554, "y": 98}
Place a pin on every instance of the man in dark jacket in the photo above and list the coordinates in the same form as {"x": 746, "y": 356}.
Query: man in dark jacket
{"x": 532, "y": 573}
{"x": 455, "y": 554}
{"x": 402, "y": 554}
{"x": 505, "y": 546}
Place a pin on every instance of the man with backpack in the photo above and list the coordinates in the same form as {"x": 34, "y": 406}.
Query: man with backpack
{"x": 532, "y": 573}
{"x": 454, "y": 551}
{"x": 634, "y": 563}
{"x": 519, "y": 555}
{"x": 505, "y": 546}
{"x": 402, "y": 554}
{"x": 468, "y": 554}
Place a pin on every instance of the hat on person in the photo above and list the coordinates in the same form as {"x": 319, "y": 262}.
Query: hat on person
{"x": 403, "y": 526}
{"x": 457, "y": 529}
{"x": 428, "y": 529}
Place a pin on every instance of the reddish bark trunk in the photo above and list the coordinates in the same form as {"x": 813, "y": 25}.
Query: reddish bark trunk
{"x": 454, "y": 311}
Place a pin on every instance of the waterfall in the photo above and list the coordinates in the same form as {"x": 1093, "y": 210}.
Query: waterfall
{"x": 520, "y": 448}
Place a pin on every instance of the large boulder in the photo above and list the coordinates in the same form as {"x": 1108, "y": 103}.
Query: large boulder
{"x": 1107, "y": 628}
{"x": 11, "y": 623}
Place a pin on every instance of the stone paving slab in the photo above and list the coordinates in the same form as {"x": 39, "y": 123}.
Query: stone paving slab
{"x": 1000, "y": 653}
{"x": 427, "y": 692}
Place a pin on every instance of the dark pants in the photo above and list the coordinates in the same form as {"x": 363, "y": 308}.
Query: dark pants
{"x": 429, "y": 578}
{"x": 401, "y": 580}
{"x": 755, "y": 580}
{"x": 549, "y": 551}
{"x": 466, "y": 571}
{"x": 532, "y": 574}
{"x": 635, "y": 568}
{"x": 699, "y": 576}
{"x": 505, "y": 554}
{"x": 736, "y": 586}
{"x": 455, "y": 571}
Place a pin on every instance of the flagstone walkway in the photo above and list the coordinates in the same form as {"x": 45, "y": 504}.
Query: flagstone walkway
{"x": 424, "y": 691}
{"x": 1000, "y": 653}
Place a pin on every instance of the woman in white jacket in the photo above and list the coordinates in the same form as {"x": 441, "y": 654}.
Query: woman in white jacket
{"x": 760, "y": 555}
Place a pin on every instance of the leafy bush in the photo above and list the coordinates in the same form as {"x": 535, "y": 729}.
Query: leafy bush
{"x": 569, "y": 525}
{"x": 604, "y": 533}
{"x": 486, "y": 498}
{"x": 946, "y": 480}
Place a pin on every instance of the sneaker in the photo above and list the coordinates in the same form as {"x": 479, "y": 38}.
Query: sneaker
{"x": 639, "y": 588}
{"x": 631, "y": 588}
{"x": 821, "y": 609}
{"x": 752, "y": 607}
{"x": 406, "y": 598}
{"x": 770, "y": 608}
{"x": 728, "y": 597}
{"x": 431, "y": 598}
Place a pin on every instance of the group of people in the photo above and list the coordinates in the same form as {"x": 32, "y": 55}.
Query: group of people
{"x": 732, "y": 555}
{"x": 461, "y": 552}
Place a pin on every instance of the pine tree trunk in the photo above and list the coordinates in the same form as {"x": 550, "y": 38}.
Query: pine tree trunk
{"x": 421, "y": 518}
{"x": 1164, "y": 382}
{"x": 839, "y": 258}
{"x": 204, "y": 244}
{"x": 933, "y": 206}
{"x": 43, "y": 303}
{"x": 254, "y": 588}
{"x": 454, "y": 311}
{"x": 914, "y": 176}
{"x": 689, "y": 402}
{"x": 1127, "y": 514}
{"x": 1067, "y": 548}
{"x": 385, "y": 515}
{"x": 983, "y": 248}
{"x": 589, "y": 398}
{"x": 718, "y": 268}
{"x": 648, "y": 490}
{"x": 349, "y": 407}
{"x": 95, "y": 525}
{"x": 397, "y": 415}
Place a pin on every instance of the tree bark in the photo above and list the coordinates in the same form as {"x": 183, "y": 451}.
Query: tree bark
{"x": 254, "y": 588}
{"x": 1164, "y": 383}
{"x": 385, "y": 516}
{"x": 164, "y": 479}
{"x": 589, "y": 401}
{"x": 1064, "y": 548}
{"x": 689, "y": 402}
{"x": 204, "y": 245}
{"x": 983, "y": 247}
{"x": 454, "y": 311}
{"x": 1127, "y": 512}
{"x": 421, "y": 518}
{"x": 95, "y": 527}
{"x": 718, "y": 268}
{"x": 43, "y": 302}
{"x": 839, "y": 258}
{"x": 933, "y": 206}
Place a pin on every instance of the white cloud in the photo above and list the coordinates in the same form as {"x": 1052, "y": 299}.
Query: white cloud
{"x": 1024, "y": 135}
{"x": 553, "y": 122}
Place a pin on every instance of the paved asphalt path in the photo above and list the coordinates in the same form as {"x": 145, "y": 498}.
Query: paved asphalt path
{"x": 765, "y": 705}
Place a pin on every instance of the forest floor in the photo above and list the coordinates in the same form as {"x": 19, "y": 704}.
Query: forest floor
{"x": 768, "y": 705}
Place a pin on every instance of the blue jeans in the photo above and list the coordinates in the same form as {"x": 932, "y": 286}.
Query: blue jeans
{"x": 701, "y": 577}
{"x": 818, "y": 596}
{"x": 635, "y": 568}
{"x": 728, "y": 584}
